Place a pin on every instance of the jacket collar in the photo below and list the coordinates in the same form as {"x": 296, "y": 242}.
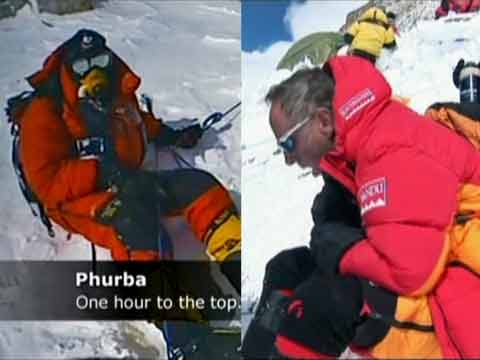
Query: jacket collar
{"x": 361, "y": 93}
{"x": 55, "y": 72}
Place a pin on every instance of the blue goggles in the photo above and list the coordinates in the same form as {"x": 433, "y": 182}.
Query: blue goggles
{"x": 287, "y": 142}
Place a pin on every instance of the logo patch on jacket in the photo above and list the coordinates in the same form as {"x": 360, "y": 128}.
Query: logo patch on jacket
{"x": 373, "y": 194}
{"x": 357, "y": 103}
{"x": 296, "y": 308}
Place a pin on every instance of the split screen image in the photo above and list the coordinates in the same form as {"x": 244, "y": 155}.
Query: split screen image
{"x": 282, "y": 179}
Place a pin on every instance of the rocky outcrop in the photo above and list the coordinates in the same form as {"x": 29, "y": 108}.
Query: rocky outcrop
{"x": 61, "y": 7}
{"x": 9, "y": 8}
{"x": 408, "y": 12}
{"x": 355, "y": 14}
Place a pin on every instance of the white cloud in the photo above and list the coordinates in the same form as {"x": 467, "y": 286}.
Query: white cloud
{"x": 301, "y": 19}
{"x": 312, "y": 16}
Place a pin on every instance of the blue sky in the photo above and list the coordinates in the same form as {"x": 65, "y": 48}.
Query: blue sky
{"x": 263, "y": 23}
{"x": 269, "y": 22}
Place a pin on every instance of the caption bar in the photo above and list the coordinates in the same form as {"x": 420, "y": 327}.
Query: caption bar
{"x": 71, "y": 290}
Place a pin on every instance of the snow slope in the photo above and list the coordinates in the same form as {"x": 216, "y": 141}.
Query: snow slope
{"x": 188, "y": 55}
{"x": 277, "y": 199}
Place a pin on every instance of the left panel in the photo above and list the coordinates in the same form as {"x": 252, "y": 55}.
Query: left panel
{"x": 121, "y": 185}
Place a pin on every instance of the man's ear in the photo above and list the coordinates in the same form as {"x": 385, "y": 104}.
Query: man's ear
{"x": 324, "y": 121}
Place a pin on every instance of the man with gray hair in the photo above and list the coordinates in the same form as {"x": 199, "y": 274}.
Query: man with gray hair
{"x": 295, "y": 98}
{"x": 406, "y": 173}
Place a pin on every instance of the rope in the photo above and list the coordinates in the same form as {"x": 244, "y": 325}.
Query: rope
{"x": 232, "y": 108}
{"x": 180, "y": 160}
{"x": 217, "y": 116}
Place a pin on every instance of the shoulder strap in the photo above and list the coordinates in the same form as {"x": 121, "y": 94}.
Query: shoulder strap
{"x": 381, "y": 316}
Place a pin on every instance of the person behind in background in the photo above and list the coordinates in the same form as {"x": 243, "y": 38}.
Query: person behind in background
{"x": 466, "y": 77}
{"x": 370, "y": 33}
{"x": 457, "y": 6}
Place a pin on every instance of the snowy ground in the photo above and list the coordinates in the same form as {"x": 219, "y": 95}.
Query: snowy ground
{"x": 188, "y": 55}
{"x": 277, "y": 199}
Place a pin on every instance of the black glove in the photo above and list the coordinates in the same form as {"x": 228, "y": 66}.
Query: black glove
{"x": 101, "y": 142}
{"x": 322, "y": 315}
{"x": 134, "y": 212}
{"x": 289, "y": 268}
{"x": 456, "y": 72}
{"x": 185, "y": 138}
{"x": 285, "y": 271}
{"x": 328, "y": 243}
{"x": 335, "y": 204}
{"x": 188, "y": 137}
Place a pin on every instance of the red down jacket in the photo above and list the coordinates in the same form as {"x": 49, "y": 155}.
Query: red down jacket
{"x": 458, "y": 6}
{"x": 406, "y": 171}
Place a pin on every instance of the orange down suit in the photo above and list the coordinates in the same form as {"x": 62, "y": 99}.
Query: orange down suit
{"x": 453, "y": 336}
{"x": 66, "y": 185}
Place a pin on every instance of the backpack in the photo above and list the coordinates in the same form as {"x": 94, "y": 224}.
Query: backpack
{"x": 16, "y": 105}
{"x": 469, "y": 83}
{"x": 465, "y": 121}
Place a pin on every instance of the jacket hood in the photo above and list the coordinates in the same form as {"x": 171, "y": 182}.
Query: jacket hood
{"x": 375, "y": 14}
{"x": 55, "y": 70}
{"x": 361, "y": 92}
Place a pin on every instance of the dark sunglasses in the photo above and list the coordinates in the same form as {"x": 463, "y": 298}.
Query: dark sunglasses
{"x": 286, "y": 142}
